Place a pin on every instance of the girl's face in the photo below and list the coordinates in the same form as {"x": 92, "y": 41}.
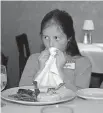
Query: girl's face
{"x": 53, "y": 36}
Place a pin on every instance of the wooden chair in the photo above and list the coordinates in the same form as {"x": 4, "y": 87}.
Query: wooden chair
{"x": 4, "y": 59}
{"x": 96, "y": 80}
{"x": 24, "y": 51}
{"x": 101, "y": 86}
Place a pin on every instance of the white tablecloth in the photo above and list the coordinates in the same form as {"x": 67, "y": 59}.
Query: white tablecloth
{"x": 78, "y": 106}
{"x": 95, "y": 53}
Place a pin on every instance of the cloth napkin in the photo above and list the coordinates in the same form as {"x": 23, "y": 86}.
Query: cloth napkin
{"x": 49, "y": 77}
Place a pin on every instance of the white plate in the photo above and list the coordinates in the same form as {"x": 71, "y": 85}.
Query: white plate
{"x": 5, "y": 93}
{"x": 91, "y": 93}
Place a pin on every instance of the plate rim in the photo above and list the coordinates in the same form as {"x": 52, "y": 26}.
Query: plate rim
{"x": 35, "y": 103}
{"x": 79, "y": 94}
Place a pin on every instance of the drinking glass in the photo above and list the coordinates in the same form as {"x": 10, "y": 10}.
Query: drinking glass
{"x": 3, "y": 77}
{"x": 57, "y": 109}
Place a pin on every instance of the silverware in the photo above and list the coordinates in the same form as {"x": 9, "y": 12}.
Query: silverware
{"x": 36, "y": 89}
{"x": 34, "y": 84}
{"x": 53, "y": 90}
{"x": 60, "y": 85}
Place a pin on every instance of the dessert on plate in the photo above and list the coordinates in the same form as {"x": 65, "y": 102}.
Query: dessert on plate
{"x": 41, "y": 95}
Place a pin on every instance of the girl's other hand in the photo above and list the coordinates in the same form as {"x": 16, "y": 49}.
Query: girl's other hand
{"x": 43, "y": 58}
{"x": 60, "y": 59}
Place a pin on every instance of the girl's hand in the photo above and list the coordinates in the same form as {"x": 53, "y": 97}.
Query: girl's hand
{"x": 60, "y": 59}
{"x": 43, "y": 58}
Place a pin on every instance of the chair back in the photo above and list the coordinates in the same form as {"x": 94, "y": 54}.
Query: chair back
{"x": 4, "y": 59}
{"x": 24, "y": 51}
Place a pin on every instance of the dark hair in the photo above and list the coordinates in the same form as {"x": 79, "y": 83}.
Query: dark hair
{"x": 65, "y": 21}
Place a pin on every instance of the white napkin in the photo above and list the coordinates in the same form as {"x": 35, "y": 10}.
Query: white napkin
{"x": 49, "y": 77}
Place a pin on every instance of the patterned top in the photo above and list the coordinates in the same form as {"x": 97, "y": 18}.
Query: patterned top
{"x": 77, "y": 71}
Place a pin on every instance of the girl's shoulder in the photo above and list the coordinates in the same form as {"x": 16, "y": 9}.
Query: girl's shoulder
{"x": 34, "y": 56}
{"x": 82, "y": 60}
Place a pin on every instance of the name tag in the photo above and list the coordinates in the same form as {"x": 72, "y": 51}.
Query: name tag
{"x": 70, "y": 65}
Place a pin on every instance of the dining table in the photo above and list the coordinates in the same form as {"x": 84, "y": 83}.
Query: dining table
{"x": 77, "y": 104}
{"x": 94, "y": 52}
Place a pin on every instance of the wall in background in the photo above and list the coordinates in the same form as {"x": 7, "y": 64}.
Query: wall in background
{"x": 19, "y": 17}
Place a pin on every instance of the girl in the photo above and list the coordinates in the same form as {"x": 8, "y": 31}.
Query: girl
{"x": 57, "y": 31}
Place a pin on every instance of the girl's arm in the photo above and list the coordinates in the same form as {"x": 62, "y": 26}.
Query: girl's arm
{"x": 68, "y": 83}
{"x": 83, "y": 73}
{"x": 30, "y": 70}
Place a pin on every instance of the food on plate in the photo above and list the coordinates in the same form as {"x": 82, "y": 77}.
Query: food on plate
{"x": 52, "y": 94}
{"x": 27, "y": 94}
{"x": 64, "y": 92}
{"x": 47, "y": 97}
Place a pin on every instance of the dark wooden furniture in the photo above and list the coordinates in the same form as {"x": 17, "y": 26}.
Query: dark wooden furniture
{"x": 24, "y": 51}
{"x": 96, "y": 80}
{"x": 4, "y": 59}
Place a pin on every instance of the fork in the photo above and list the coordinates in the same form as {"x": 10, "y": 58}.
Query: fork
{"x": 54, "y": 89}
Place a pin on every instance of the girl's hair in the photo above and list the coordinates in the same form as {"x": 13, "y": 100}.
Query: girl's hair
{"x": 64, "y": 20}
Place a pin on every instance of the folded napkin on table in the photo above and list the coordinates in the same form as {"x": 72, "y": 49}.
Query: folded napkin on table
{"x": 49, "y": 77}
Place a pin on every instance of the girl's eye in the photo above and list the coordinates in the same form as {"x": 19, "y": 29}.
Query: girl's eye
{"x": 56, "y": 38}
{"x": 46, "y": 37}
